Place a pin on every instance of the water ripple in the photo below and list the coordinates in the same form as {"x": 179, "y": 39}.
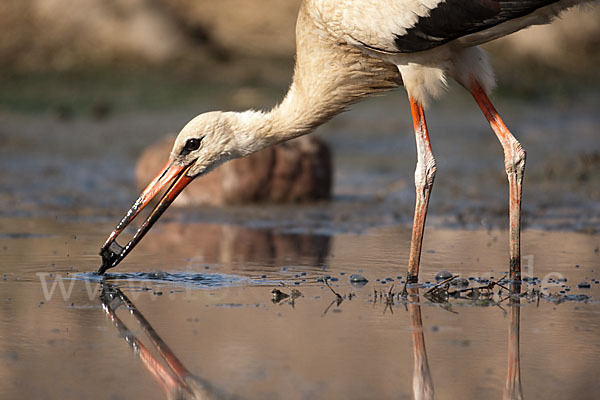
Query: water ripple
{"x": 173, "y": 278}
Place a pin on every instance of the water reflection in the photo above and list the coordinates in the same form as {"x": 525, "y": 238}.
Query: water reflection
{"x": 174, "y": 378}
{"x": 238, "y": 246}
{"x": 512, "y": 390}
{"x": 422, "y": 380}
{"x": 178, "y": 383}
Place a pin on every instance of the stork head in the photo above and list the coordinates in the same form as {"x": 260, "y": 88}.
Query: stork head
{"x": 204, "y": 143}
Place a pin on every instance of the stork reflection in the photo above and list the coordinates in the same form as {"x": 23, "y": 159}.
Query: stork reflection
{"x": 174, "y": 378}
{"x": 178, "y": 383}
{"x": 423, "y": 388}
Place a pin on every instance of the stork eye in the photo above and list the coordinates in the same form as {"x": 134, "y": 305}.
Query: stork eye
{"x": 191, "y": 145}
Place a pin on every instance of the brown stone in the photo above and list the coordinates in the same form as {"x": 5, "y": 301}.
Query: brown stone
{"x": 295, "y": 171}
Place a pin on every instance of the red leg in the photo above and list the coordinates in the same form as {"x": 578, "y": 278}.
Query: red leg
{"x": 424, "y": 177}
{"x": 514, "y": 162}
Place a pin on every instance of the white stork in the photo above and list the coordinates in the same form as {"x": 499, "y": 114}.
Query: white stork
{"x": 348, "y": 50}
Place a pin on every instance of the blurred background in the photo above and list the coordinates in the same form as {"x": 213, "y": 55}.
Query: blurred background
{"x": 85, "y": 87}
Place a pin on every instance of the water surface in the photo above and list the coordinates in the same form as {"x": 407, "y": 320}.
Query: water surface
{"x": 206, "y": 291}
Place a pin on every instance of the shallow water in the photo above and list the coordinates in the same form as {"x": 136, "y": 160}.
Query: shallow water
{"x": 206, "y": 291}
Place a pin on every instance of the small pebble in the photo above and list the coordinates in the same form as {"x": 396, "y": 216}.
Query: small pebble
{"x": 358, "y": 278}
{"x": 584, "y": 285}
{"x": 443, "y": 275}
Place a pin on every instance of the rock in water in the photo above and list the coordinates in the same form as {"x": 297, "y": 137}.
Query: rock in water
{"x": 296, "y": 171}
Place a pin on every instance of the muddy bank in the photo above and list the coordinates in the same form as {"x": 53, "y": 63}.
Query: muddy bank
{"x": 85, "y": 166}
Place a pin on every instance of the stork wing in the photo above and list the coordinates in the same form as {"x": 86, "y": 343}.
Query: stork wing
{"x": 408, "y": 26}
{"x": 453, "y": 19}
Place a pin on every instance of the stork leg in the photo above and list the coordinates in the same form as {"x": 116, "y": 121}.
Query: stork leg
{"x": 514, "y": 162}
{"x": 424, "y": 177}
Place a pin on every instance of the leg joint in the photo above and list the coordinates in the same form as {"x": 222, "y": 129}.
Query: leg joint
{"x": 425, "y": 173}
{"x": 514, "y": 158}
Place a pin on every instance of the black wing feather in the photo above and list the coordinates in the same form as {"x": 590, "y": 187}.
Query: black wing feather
{"x": 456, "y": 18}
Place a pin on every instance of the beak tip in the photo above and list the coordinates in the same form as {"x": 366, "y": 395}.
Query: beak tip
{"x": 104, "y": 266}
{"x": 110, "y": 257}
{"x": 112, "y": 253}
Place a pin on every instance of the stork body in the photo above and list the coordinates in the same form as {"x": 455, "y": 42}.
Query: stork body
{"x": 348, "y": 50}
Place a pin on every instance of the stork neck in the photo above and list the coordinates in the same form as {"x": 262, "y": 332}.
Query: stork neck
{"x": 327, "y": 78}
{"x": 302, "y": 111}
{"x": 298, "y": 114}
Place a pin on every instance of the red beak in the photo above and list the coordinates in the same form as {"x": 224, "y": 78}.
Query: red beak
{"x": 112, "y": 253}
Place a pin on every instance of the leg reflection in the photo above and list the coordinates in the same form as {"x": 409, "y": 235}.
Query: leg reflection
{"x": 512, "y": 390}
{"x": 422, "y": 381}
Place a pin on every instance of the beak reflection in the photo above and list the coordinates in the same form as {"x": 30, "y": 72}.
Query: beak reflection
{"x": 174, "y": 378}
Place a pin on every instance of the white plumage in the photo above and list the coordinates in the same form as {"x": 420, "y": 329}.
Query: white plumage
{"x": 372, "y": 25}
